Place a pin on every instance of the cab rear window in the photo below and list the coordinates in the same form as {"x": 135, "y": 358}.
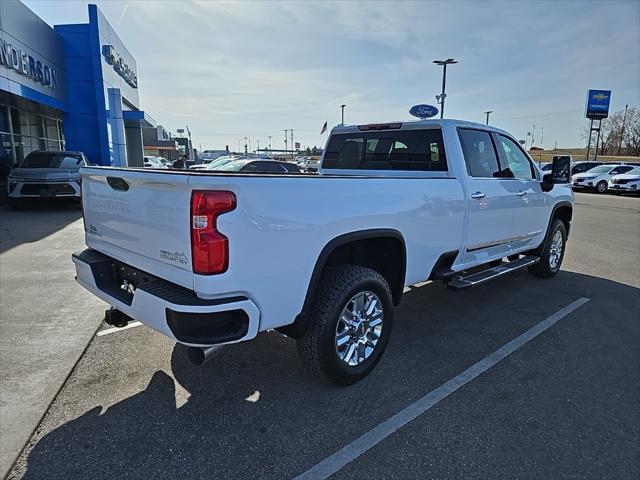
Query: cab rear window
{"x": 404, "y": 150}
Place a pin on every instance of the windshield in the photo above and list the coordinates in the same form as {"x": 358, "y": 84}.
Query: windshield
{"x": 633, "y": 171}
{"x": 52, "y": 160}
{"x": 600, "y": 169}
{"x": 234, "y": 166}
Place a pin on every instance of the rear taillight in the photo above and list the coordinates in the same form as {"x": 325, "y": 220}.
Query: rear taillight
{"x": 209, "y": 248}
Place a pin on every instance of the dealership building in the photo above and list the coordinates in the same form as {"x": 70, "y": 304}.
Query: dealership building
{"x": 70, "y": 87}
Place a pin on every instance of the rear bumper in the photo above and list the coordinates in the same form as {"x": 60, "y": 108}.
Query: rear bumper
{"x": 168, "y": 308}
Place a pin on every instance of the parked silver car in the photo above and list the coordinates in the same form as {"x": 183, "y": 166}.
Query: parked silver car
{"x": 46, "y": 174}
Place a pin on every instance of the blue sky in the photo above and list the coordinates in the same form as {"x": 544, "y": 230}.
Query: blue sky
{"x": 236, "y": 69}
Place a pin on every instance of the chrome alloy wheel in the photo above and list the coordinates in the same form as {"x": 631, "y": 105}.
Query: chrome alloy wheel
{"x": 555, "y": 252}
{"x": 359, "y": 328}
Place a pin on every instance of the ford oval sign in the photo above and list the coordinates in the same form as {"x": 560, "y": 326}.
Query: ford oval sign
{"x": 423, "y": 111}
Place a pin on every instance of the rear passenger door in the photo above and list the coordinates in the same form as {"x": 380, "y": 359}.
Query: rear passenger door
{"x": 492, "y": 198}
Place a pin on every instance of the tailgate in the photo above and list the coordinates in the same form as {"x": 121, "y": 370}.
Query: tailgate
{"x": 140, "y": 218}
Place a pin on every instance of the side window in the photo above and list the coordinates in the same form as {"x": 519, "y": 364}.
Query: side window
{"x": 619, "y": 170}
{"x": 518, "y": 165}
{"x": 266, "y": 167}
{"x": 403, "y": 150}
{"x": 479, "y": 154}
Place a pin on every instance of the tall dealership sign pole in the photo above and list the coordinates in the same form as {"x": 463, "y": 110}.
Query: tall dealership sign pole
{"x": 443, "y": 95}
{"x": 597, "y": 108}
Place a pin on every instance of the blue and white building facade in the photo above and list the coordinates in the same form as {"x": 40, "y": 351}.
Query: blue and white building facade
{"x": 70, "y": 87}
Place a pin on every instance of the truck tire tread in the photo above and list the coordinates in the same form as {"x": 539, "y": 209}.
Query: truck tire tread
{"x": 542, "y": 269}
{"x": 335, "y": 285}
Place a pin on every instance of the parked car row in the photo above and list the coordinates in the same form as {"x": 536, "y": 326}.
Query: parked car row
{"x": 156, "y": 162}
{"x": 608, "y": 177}
{"x": 307, "y": 164}
{"x": 250, "y": 163}
{"x": 602, "y": 177}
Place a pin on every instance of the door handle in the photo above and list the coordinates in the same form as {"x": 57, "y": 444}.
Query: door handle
{"x": 477, "y": 195}
{"x": 521, "y": 194}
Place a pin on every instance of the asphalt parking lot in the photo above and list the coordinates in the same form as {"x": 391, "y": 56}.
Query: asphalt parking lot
{"x": 564, "y": 404}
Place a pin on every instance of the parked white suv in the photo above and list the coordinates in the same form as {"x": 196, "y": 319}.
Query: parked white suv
{"x": 45, "y": 174}
{"x": 598, "y": 177}
{"x": 626, "y": 182}
{"x": 209, "y": 258}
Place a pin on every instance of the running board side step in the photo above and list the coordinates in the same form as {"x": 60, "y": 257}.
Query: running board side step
{"x": 460, "y": 282}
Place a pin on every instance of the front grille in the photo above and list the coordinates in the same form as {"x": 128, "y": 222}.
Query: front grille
{"x": 621, "y": 180}
{"x": 47, "y": 189}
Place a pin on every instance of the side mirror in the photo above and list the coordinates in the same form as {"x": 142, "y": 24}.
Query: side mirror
{"x": 561, "y": 169}
{"x": 560, "y": 173}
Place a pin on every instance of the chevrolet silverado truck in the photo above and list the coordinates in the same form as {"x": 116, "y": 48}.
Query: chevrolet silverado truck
{"x": 211, "y": 258}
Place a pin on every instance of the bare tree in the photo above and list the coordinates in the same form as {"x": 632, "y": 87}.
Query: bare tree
{"x": 611, "y": 133}
{"x": 631, "y": 139}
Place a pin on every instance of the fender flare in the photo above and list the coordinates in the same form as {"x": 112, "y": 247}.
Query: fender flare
{"x": 301, "y": 322}
{"x": 562, "y": 203}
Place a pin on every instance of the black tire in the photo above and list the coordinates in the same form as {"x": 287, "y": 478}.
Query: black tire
{"x": 317, "y": 348}
{"x": 601, "y": 186}
{"x": 546, "y": 268}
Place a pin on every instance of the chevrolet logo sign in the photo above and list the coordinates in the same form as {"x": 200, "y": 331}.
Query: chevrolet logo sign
{"x": 600, "y": 96}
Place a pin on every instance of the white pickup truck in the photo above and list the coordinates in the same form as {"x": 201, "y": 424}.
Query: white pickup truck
{"x": 212, "y": 258}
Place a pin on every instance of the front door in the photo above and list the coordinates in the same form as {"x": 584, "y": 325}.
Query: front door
{"x": 492, "y": 199}
{"x": 531, "y": 214}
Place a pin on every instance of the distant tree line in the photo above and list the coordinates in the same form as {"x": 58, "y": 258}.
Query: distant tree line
{"x": 615, "y": 141}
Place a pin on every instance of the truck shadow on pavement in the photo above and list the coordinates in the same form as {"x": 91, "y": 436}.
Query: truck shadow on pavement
{"x": 253, "y": 412}
{"x": 34, "y": 222}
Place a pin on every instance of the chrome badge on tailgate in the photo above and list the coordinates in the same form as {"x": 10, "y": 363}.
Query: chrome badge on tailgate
{"x": 175, "y": 257}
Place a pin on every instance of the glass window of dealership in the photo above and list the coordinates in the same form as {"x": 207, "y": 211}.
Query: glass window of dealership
{"x": 72, "y": 87}
{"x": 23, "y": 131}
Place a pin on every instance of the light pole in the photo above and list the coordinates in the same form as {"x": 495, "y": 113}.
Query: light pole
{"x": 190, "y": 144}
{"x": 487, "y": 114}
{"x": 443, "y": 95}
{"x": 269, "y": 142}
{"x": 533, "y": 136}
{"x": 624, "y": 121}
{"x": 286, "y": 132}
{"x": 245, "y": 144}
{"x": 342, "y": 108}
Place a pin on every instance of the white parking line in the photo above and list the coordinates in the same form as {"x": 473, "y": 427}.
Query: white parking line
{"x": 118, "y": 329}
{"x": 350, "y": 452}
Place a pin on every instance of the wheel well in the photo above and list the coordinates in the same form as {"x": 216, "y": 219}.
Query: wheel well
{"x": 564, "y": 213}
{"x": 385, "y": 255}
{"x": 382, "y": 250}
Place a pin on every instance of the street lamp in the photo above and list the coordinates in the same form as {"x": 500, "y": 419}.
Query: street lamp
{"x": 443, "y": 95}
{"x": 342, "y": 108}
{"x": 487, "y": 114}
